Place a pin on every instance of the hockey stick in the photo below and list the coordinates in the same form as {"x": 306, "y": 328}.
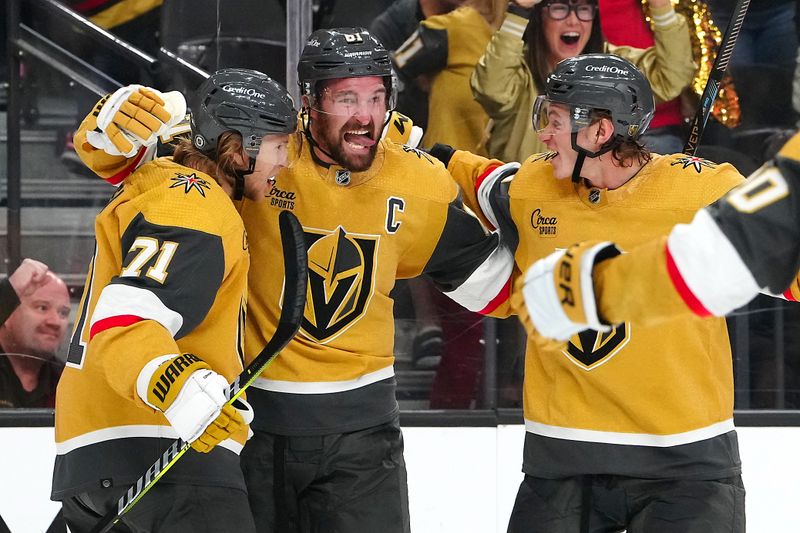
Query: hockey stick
{"x": 294, "y": 299}
{"x": 715, "y": 76}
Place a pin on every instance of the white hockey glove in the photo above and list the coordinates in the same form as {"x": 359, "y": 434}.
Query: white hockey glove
{"x": 135, "y": 116}
{"x": 558, "y": 291}
{"x": 401, "y": 130}
{"x": 193, "y": 399}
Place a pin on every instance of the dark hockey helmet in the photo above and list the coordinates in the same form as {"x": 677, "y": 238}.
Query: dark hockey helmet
{"x": 343, "y": 53}
{"x": 246, "y": 101}
{"x": 599, "y": 82}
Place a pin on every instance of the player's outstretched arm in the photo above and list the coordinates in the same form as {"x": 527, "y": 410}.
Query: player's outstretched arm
{"x": 114, "y": 137}
{"x": 744, "y": 243}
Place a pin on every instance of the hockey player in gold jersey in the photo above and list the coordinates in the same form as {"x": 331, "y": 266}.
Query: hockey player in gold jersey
{"x": 746, "y": 243}
{"x": 159, "y": 331}
{"x": 327, "y": 454}
{"x": 628, "y": 427}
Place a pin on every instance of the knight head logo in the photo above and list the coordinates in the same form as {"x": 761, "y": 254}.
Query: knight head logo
{"x": 340, "y": 281}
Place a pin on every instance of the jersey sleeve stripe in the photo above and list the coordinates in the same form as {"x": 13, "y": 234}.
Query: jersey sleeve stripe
{"x": 683, "y": 290}
{"x": 502, "y": 296}
{"x": 118, "y": 300}
{"x": 484, "y": 188}
{"x": 707, "y": 267}
{"x": 120, "y": 176}
{"x": 113, "y": 322}
{"x": 482, "y": 177}
{"x": 486, "y": 282}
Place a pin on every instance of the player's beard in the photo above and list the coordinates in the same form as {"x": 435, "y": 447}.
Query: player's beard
{"x": 333, "y": 142}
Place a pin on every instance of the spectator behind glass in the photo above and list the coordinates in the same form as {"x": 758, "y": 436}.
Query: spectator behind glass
{"x": 521, "y": 54}
{"x": 30, "y": 337}
{"x": 623, "y": 23}
{"x": 392, "y": 29}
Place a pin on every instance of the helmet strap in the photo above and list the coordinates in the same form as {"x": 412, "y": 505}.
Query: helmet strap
{"x": 239, "y": 176}
{"x": 583, "y": 153}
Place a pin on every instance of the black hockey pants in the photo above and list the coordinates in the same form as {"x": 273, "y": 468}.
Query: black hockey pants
{"x": 166, "y": 508}
{"x": 344, "y": 483}
{"x": 611, "y": 504}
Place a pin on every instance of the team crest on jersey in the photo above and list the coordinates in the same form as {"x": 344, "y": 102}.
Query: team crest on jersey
{"x": 544, "y": 156}
{"x": 341, "y": 276}
{"x": 590, "y": 349}
{"x": 190, "y": 182}
{"x": 692, "y": 161}
{"x": 418, "y": 153}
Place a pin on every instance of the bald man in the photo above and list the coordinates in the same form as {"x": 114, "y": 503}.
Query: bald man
{"x": 29, "y": 339}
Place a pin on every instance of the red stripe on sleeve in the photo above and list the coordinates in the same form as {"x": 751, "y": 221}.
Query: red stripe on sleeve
{"x": 502, "y": 296}
{"x": 113, "y": 322}
{"x": 120, "y": 176}
{"x": 683, "y": 290}
{"x": 483, "y": 176}
{"x": 789, "y": 296}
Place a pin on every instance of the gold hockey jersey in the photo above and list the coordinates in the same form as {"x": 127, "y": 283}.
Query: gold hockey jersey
{"x": 641, "y": 400}
{"x": 363, "y": 231}
{"x": 168, "y": 276}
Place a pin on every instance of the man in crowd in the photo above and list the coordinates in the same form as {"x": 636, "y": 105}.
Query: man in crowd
{"x": 31, "y": 336}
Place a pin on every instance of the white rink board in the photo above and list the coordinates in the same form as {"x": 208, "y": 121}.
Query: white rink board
{"x": 460, "y": 479}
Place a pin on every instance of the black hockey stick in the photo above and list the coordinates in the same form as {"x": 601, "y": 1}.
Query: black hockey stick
{"x": 294, "y": 300}
{"x": 715, "y": 76}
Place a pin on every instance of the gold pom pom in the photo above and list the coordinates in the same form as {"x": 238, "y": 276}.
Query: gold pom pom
{"x": 706, "y": 39}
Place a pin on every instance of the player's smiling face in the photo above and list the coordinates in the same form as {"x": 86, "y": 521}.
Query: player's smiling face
{"x": 567, "y": 37}
{"x": 557, "y": 136}
{"x": 347, "y": 119}
{"x": 271, "y": 158}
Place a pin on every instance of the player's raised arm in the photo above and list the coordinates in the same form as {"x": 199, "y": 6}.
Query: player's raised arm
{"x": 745, "y": 243}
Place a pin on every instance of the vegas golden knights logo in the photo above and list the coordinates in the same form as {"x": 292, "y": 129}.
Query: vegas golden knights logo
{"x": 341, "y": 276}
{"x": 590, "y": 349}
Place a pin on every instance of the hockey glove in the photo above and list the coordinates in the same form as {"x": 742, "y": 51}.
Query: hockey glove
{"x": 192, "y": 398}
{"x": 557, "y": 292}
{"x": 401, "y": 130}
{"x": 135, "y": 116}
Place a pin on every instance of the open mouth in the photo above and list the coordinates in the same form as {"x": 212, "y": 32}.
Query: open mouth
{"x": 570, "y": 37}
{"x": 358, "y": 139}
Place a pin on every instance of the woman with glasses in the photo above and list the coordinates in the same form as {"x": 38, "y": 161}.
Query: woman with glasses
{"x": 536, "y": 35}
